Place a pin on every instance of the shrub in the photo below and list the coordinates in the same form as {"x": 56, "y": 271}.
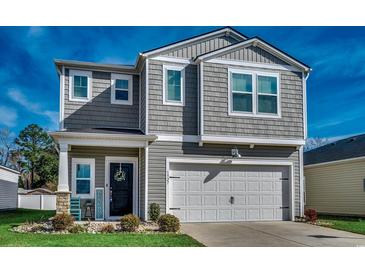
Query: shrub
{"x": 76, "y": 229}
{"x": 107, "y": 228}
{"x": 62, "y": 221}
{"x": 154, "y": 212}
{"x": 169, "y": 223}
{"x": 129, "y": 223}
{"x": 310, "y": 215}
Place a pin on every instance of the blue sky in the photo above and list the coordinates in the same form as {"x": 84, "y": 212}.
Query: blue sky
{"x": 29, "y": 88}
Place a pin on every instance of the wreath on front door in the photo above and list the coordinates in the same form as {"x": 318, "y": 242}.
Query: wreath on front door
{"x": 120, "y": 175}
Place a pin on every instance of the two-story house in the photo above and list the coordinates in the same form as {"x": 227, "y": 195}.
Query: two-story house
{"x": 211, "y": 128}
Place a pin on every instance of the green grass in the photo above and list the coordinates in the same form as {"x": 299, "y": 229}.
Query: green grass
{"x": 10, "y": 238}
{"x": 351, "y": 224}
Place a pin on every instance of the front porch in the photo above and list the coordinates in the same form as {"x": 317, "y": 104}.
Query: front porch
{"x": 105, "y": 171}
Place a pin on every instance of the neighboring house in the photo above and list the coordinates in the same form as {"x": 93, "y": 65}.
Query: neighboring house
{"x": 37, "y": 191}
{"x": 171, "y": 129}
{"x": 8, "y": 188}
{"x": 335, "y": 177}
{"x": 39, "y": 198}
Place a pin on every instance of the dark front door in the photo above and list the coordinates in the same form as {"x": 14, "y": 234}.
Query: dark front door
{"x": 121, "y": 189}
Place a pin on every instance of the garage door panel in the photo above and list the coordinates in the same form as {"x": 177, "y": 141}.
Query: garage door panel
{"x": 203, "y": 192}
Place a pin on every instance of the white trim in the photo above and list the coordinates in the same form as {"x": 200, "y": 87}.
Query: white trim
{"x": 147, "y": 98}
{"x": 91, "y": 162}
{"x": 201, "y": 78}
{"x": 173, "y": 60}
{"x": 251, "y": 140}
{"x": 146, "y": 161}
{"x": 301, "y": 181}
{"x": 80, "y": 65}
{"x": 304, "y": 79}
{"x": 129, "y": 78}
{"x": 84, "y": 73}
{"x": 253, "y": 65}
{"x": 103, "y": 218}
{"x": 182, "y": 85}
{"x": 178, "y": 138}
{"x": 230, "y": 161}
{"x": 336, "y": 162}
{"x": 256, "y": 42}
{"x": 129, "y": 160}
{"x": 62, "y": 98}
{"x": 139, "y": 100}
{"x": 255, "y": 94}
{"x": 200, "y": 37}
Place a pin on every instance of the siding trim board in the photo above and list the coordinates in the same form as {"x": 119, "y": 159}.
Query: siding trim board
{"x": 230, "y": 161}
{"x": 252, "y": 140}
{"x": 172, "y": 60}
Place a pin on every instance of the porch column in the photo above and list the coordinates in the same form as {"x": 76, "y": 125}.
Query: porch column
{"x": 63, "y": 192}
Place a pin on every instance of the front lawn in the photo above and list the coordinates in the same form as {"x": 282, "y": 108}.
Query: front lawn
{"x": 10, "y": 238}
{"x": 351, "y": 224}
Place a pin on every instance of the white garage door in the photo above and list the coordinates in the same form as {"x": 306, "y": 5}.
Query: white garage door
{"x": 220, "y": 193}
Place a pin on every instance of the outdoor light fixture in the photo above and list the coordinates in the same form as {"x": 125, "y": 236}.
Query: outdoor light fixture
{"x": 235, "y": 153}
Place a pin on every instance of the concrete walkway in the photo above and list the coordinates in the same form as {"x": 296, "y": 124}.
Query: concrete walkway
{"x": 270, "y": 234}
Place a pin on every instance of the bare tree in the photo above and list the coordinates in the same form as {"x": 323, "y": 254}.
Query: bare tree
{"x": 315, "y": 142}
{"x": 7, "y": 146}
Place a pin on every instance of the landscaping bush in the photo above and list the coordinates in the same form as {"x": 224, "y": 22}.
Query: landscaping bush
{"x": 129, "y": 223}
{"x": 310, "y": 215}
{"x": 154, "y": 212}
{"x": 107, "y": 228}
{"x": 169, "y": 223}
{"x": 62, "y": 221}
{"x": 77, "y": 229}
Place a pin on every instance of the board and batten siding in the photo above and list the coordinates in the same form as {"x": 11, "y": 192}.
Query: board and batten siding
{"x": 143, "y": 100}
{"x": 141, "y": 181}
{"x": 169, "y": 119}
{"x": 99, "y": 112}
{"x": 218, "y": 122}
{"x": 8, "y": 189}
{"x": 159, "y": 151}
{"x": 99, "y": 154}
{"x": 203, "y": 46}
{"x": 336, "y": 188}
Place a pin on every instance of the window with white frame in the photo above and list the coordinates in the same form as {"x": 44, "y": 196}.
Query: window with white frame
{"x": 173, "y": 85}
{"x": 83, "y": 177}
{"x": 254, "y": 93}
{"x": 121, "y": 89}
{"x": 80, "y": 85}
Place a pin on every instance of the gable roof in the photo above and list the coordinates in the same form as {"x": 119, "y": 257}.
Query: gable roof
{"x": 234, "y": 33}
{"x": 352, "y": 147}
{"x": 257, "y": 41}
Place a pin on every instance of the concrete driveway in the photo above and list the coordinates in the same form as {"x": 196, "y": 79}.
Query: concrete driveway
{"x": 270, "y": 234}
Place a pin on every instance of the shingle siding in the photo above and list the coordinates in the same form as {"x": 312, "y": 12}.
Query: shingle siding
{"x": 168, "y": 119}
{"x": 218, "y": 122}
{"x": 159, "y": 151}
{"x": 99, "y": 112}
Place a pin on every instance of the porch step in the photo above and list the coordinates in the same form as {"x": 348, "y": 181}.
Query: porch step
{"x": 75, "y": 208}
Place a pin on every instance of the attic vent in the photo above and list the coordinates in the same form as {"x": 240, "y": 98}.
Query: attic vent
{"x": 333, "y": 144}
{"x": 352, "y": 139}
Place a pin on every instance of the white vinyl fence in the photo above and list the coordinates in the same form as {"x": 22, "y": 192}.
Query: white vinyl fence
{"x": 43, "y": 202}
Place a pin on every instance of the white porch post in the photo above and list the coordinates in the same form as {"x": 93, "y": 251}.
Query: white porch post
{"x": 63, "y": 190}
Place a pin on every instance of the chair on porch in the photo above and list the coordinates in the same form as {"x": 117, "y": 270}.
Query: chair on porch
{"x": 75, "y": 208}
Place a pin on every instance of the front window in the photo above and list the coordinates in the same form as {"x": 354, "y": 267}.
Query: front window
{"x": 80, "y": 85}
{"x": 173, "y": 85}
{"x": 253, "y": 93}
{"x": 83, "y": 172}
{"x": 121, "y": 89}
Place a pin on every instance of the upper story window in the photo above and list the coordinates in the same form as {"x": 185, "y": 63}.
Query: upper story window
{"x": 80, "y": 85}
{"x": 254, "y": 93}
{"x": 173, "y": 85}
{"x": 121, "y": 89}
{"x": 83, "y": 181}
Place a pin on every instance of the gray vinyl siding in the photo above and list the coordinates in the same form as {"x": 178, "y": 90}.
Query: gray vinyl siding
{"x": 160, "y": 150}
{"x": 252, "y": 54}
{"x": 142, "y": 182}
{"x": 143, "y": 100}
{"x": 336, "y": 188}
{"x": 218, "y": 122}
{"x": 8, "y": 195}
{"x": 99, "y": 112}
{"x": 170, "y": 119}
{"x": 200, "y": 47}
{"x": 99, "y": 154}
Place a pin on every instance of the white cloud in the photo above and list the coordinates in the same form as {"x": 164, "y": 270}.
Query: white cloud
{"x": 8, "y": 116}
{"x": 36, "y": 108}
